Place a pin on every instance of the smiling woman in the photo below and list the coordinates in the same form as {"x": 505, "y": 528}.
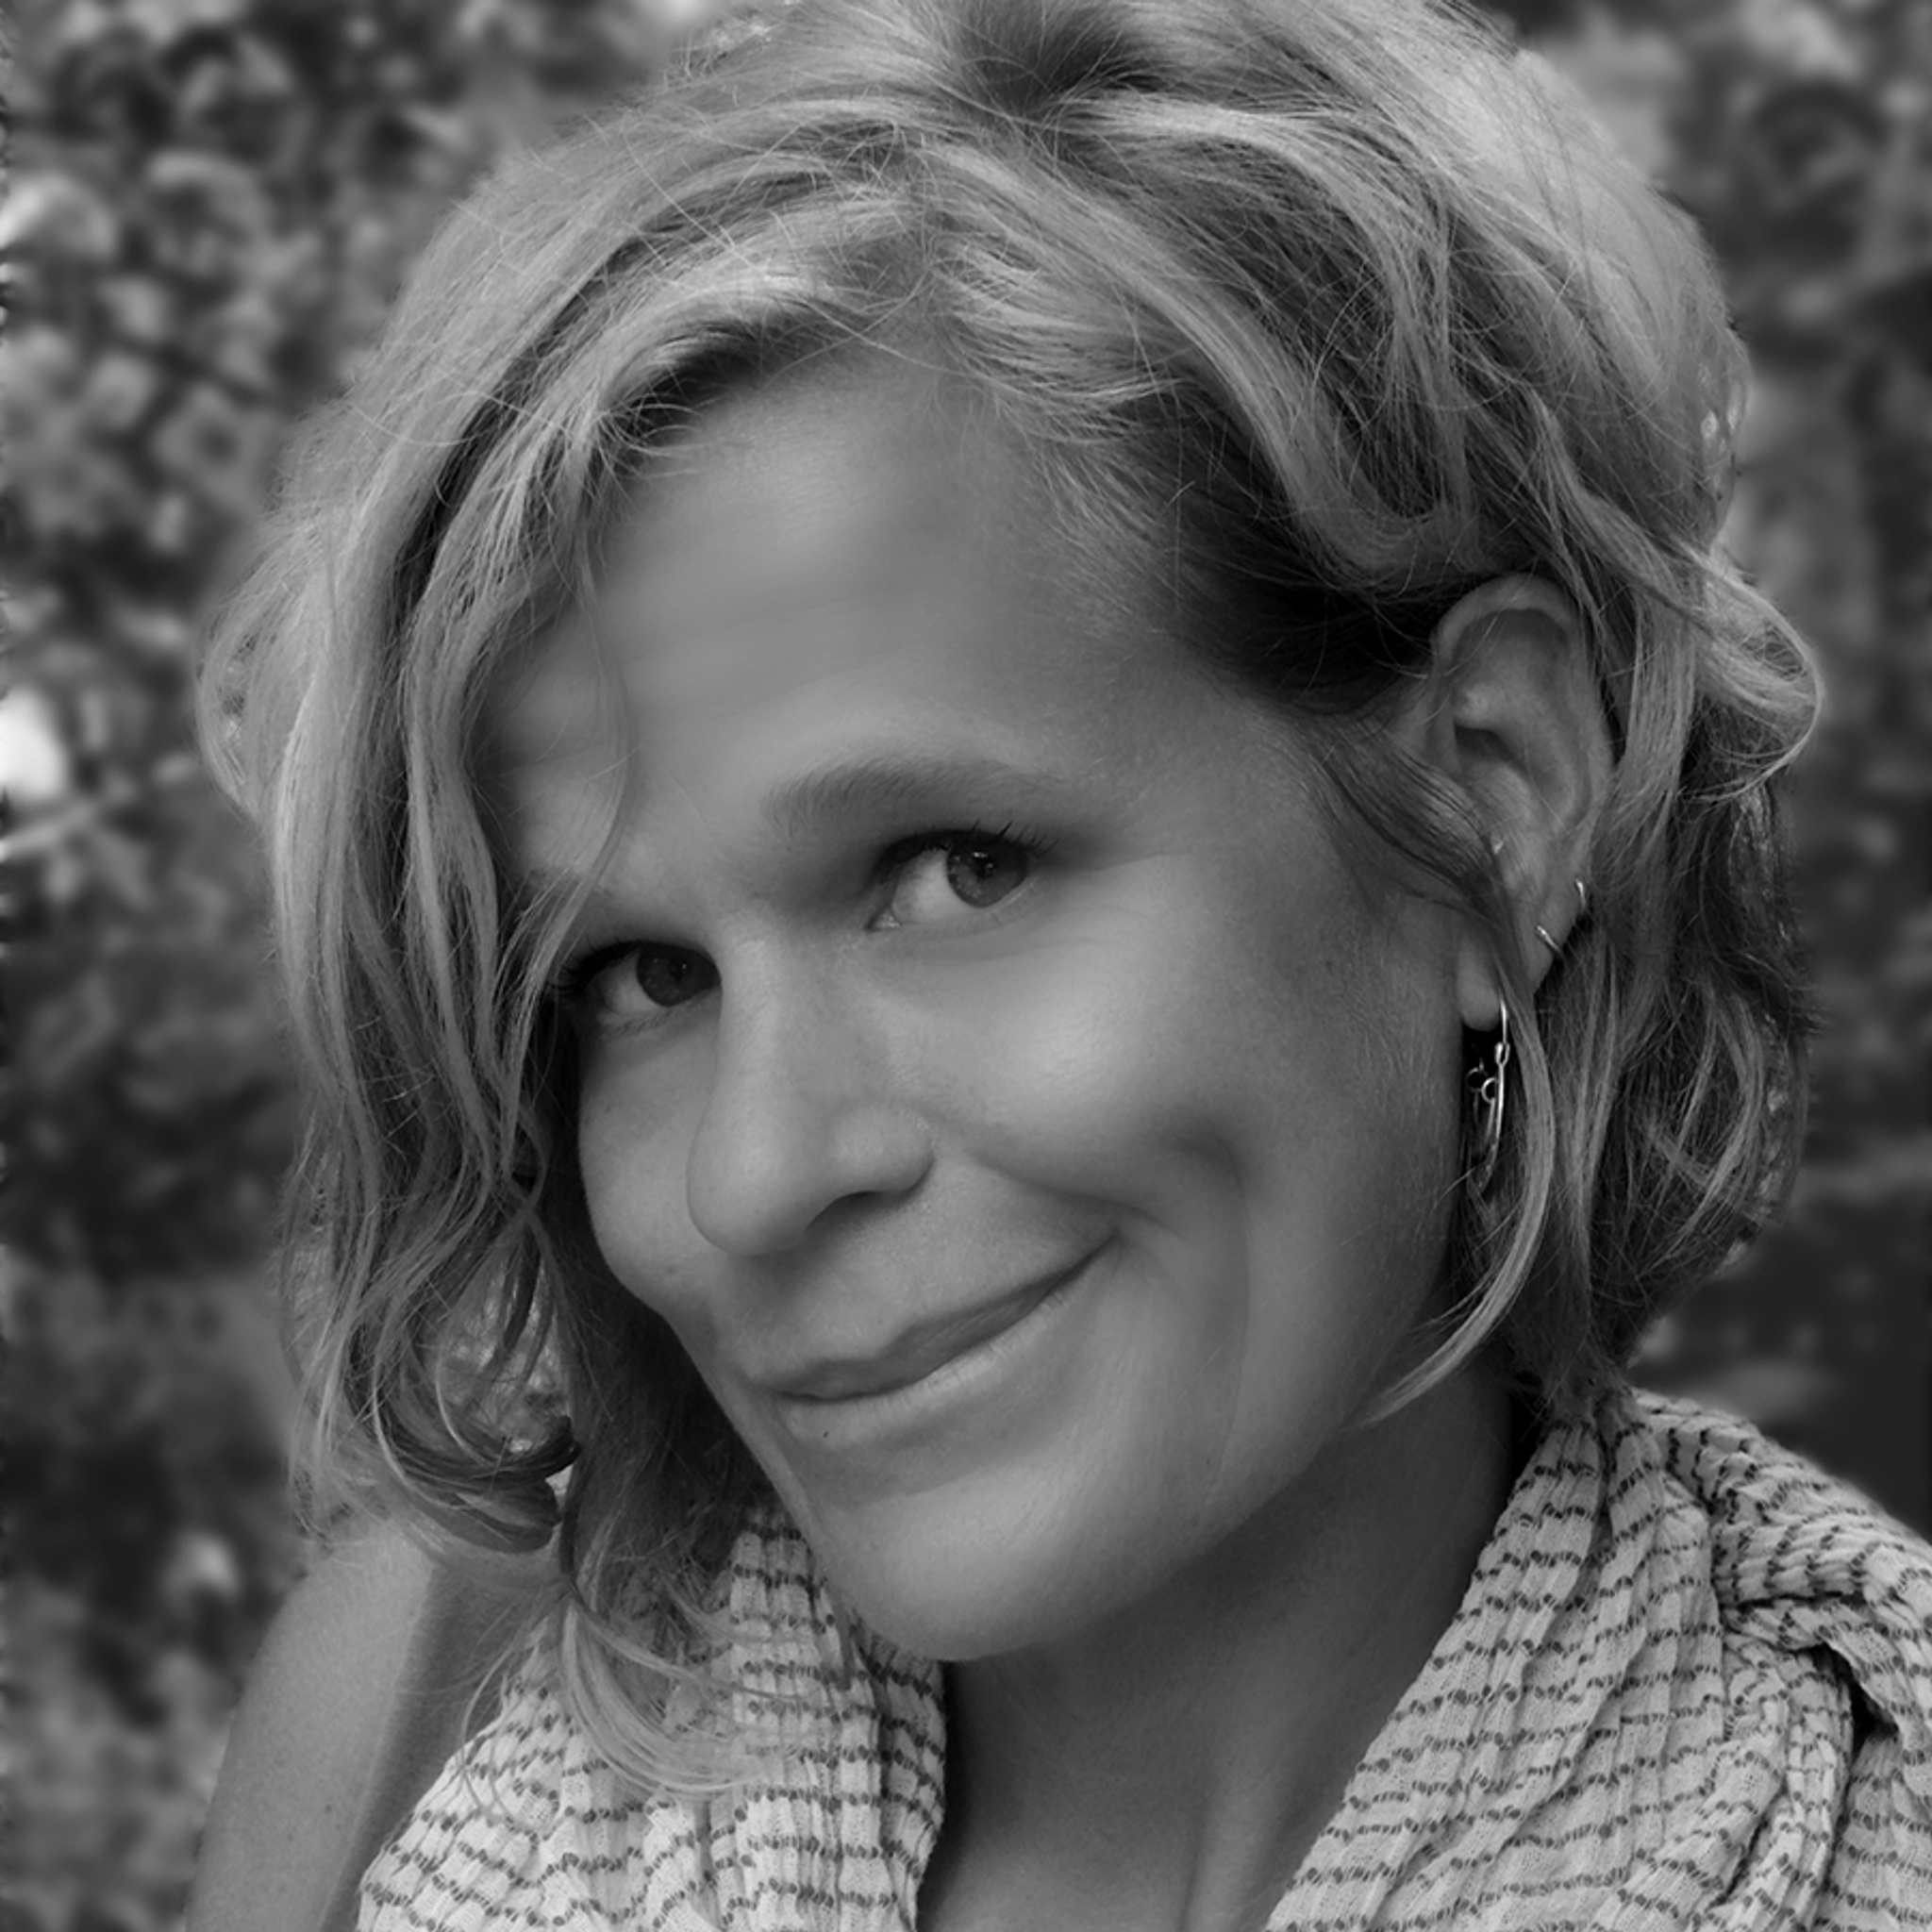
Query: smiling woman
{"x": 1018, "y": 807}
{"x": 1110, "y": 1087}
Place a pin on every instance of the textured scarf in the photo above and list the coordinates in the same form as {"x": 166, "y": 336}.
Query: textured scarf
{"x": 1689, "y": 1686}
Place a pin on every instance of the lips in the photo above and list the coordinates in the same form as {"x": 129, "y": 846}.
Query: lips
{"x": 916, "y": 1352}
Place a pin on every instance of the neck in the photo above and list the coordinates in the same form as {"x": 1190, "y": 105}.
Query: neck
{"x": 1173, "y": 1763}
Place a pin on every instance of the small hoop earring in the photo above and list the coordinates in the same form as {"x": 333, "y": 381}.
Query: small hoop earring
{"x": 1489, "y": 1095}
{"x": 1549, "y": 939}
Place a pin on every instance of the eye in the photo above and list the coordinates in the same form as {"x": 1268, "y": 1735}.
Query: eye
{"x": 641, "y": 982}
{"x": 938, "y": 874}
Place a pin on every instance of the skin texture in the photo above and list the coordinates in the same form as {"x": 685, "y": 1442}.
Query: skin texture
{"x": 1135, "y": 1032}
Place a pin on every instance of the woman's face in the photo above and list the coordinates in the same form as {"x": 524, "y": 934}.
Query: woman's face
{"x": 1033, "y": 1126}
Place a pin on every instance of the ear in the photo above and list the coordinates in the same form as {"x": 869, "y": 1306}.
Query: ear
{"x": 1510, "y": 715}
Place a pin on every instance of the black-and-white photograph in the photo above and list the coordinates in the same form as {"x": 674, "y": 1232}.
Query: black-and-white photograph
{"x": 967, "y": 965}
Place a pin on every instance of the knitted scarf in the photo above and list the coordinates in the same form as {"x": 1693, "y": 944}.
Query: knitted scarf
{"x": 1689, "y": 1686}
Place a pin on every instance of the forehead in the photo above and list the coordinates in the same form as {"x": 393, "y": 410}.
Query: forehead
{"x": 787, "y": 509}
{"x": 844, "y": 565}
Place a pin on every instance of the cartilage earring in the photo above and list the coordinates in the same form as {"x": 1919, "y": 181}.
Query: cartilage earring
{"x": 1489, "y": 1095}
{"x": 1549, "y": 939}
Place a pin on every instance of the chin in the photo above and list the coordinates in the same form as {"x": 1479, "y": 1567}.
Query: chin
{"x": 958, "y": 1605}
{"x": 960, "y": 1584}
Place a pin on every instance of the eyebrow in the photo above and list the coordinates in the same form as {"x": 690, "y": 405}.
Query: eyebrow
{"x": 879, "y": 785}
{"x": 869, "y": 787}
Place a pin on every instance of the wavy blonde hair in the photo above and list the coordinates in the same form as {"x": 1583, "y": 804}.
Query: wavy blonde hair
{"x": 1336, "y": 307}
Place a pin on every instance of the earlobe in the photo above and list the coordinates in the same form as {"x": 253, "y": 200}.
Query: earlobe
{"x": 1516, "y": 723}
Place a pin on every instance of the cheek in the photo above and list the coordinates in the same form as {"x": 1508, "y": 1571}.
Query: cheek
{"x": 1264, "y": 1096}
{"x": 1177, "y": 1019}
{"x": 1348, "y": 1213}
{"x": 633, "y": 1154}
{"x": 1250, "y": 1097}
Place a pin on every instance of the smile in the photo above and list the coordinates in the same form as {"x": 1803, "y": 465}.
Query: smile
{"x": 921, "y": 1350}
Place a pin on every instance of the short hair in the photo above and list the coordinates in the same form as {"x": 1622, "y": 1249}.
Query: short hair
{"x": 1338, "y": 308}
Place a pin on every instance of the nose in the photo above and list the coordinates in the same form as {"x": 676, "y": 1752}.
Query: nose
{"x": 796, "y": 1122}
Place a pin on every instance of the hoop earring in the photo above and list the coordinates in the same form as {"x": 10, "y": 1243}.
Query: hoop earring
{"x": 1488, "y": 1098}
{"x": 1548, "y": 938}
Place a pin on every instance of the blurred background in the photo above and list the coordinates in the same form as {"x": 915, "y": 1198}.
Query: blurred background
{"x": 208, "y": 206}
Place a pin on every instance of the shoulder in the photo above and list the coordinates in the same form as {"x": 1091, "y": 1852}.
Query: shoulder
{"x": 1807, "y": 1564}
{"x": 1781, "y": 1530}
{"x": 378, "y": 1665}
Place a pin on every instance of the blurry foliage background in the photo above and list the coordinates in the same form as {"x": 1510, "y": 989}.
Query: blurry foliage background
{"x": 209, "y": 204}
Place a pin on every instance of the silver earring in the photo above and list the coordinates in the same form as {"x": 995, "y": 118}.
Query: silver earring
{"x": 1489, "y": 1095}
{"x": 851, "y": 1666}
{"x": 1543, "y": 933}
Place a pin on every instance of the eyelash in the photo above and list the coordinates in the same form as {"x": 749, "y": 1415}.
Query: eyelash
{"x": 570, "y": 986}
{"x": 902, "y": 852}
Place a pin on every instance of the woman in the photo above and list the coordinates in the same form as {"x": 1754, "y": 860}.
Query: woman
{"x": 1028, "y": 861}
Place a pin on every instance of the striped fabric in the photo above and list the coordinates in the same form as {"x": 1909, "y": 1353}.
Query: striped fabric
{"x": 1689, "y": 1686}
